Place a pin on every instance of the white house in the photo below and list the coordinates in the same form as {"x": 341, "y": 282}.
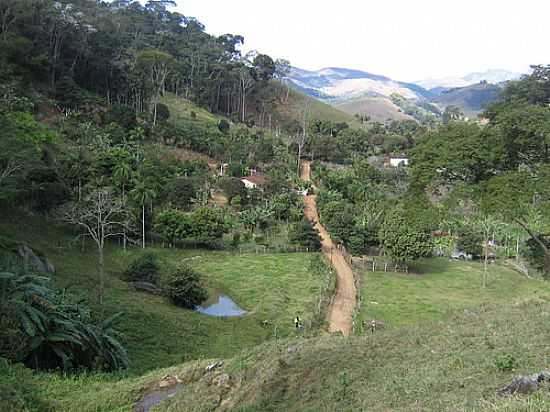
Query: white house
{"x": 399, "y": 161}
{"x": 253, "y": 182}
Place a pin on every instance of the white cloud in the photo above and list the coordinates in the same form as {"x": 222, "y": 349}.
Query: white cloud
{"x": 403, "y": 39}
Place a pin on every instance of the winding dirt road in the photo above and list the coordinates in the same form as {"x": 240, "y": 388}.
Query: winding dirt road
{"x": 340, "y": 312}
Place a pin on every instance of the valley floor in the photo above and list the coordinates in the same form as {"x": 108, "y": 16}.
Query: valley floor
{"x": 449, "y": 345}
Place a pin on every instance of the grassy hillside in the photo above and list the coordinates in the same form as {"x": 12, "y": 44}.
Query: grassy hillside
{"x": 471, "y": 99}
{"x": 378, "y": 108}
{"x": 454, "y": 365}
{"x": 291, "y": 109}
{"x": 182, "y": 110}
{"x": 442, "y": 286}
{"x": 272, "y": 288}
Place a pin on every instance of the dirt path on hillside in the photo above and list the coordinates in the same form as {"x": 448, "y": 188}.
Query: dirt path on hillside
{"x": 343, "y": 304}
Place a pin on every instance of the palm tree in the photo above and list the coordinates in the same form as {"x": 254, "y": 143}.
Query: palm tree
{"x": 142, "y": 193}
{"x": 121, "y": 175}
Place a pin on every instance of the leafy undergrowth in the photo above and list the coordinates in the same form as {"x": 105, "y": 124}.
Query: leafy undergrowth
{"x": 451, "y": 365}
{"x": 440, "y": 286}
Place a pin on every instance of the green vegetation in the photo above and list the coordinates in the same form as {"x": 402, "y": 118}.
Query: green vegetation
{"x": 184, "y": 287}
{"x": 464, "y": 361}
{"x": 46, "y": 329}
{"x": 126, "y": 129}
{"x": 305, "y": 234}
{"x": 437, "y": 287}
{"x": 143, "y": 269}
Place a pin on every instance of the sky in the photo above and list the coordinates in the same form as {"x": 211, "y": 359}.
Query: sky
{"x": 406, "y": 40}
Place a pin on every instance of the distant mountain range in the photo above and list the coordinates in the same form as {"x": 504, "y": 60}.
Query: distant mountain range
{"x": 489, "y": 76}
{"x": 356, "y": 91}
{"x": 338, "y": 84}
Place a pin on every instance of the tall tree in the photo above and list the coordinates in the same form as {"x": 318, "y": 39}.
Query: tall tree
{"x": 102, "y": 215}
{"x": 142, "y": 193}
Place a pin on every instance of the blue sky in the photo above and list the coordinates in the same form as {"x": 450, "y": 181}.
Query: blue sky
{"x": 406, "y": 40}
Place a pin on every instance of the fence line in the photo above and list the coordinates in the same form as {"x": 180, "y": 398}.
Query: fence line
{"x": 374, "y": 266}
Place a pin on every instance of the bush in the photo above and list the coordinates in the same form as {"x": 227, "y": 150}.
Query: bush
{"x": 224, "y": 126}
{"x": 184, "y": 288}
{"x": 181, "y": 191}
{"x": 471, "y": 243}
{"x": 506, "y": 363}
{"x": 163, "y": 113}
{"x": 306, "y": 235}
{"x": 51, "y": 331}
{"x": 236, "y": 240}
{"x": 143, "y": 269}
{"x": 233, "y": 187}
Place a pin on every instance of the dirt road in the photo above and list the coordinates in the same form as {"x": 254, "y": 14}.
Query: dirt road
{"x": 343, "y": 304}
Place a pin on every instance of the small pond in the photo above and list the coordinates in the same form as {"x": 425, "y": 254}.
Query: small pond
{"x": 221, "y": 306}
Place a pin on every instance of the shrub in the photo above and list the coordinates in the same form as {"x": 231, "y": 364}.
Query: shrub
{"x": 224, "y": 126}
{"x": 163, "y": 113}
{"x": 143, "y": 269}
{"x": 506, "y": 363}
{"x": 236, "y": 240}
{"x": 470, "y": 242}
{"x": 306, "y": 235}
{"x": 51, "y": 331}
{"x": 233, "y": 187}
{"x": 184, "y": 288}
{"x": 181, "y": 191}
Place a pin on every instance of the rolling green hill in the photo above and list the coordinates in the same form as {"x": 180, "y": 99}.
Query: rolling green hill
{"x": 378, "y": 108}
{"x": 471, "y": 99}
{"x": 289, "y": 108}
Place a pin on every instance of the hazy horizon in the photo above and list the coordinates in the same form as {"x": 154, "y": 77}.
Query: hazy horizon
{"x": 400, "y": 39}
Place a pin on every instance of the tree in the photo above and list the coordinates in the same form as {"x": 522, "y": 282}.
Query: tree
{"x": 403, "y": 242}
{"x": 102, "y": 215}
{"x": 156, "y": 65}
{"x": 122, "y": 173}
{"x": 182, "y": 191}
{"x": 142, "y": 193}
{"x": 305, "y": 234}
{"x": 523, "y": 198}
{"x": 469, "y": 241}
{"x": 458, "y": 152}
{"x": 451, "y": 114}
{"x": 233, "y": 187}
{"x": 246, "y": 81}
{"x": 208, "y": 225}
{"x": 485, "y": 225}
{"x": 301, "y": 137}
{"x": 264, "y": 67}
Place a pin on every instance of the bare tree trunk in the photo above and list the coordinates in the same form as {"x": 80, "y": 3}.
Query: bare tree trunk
{"x": 101, "y": 273}
{"x": 485, "y": 262}
{"x": 143, "y": 224}
{"x": 124, "y": 205}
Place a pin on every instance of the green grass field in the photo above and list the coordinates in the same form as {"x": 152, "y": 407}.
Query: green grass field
{"x": 272, "y": 288}
{"x": 441, "y": 286}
